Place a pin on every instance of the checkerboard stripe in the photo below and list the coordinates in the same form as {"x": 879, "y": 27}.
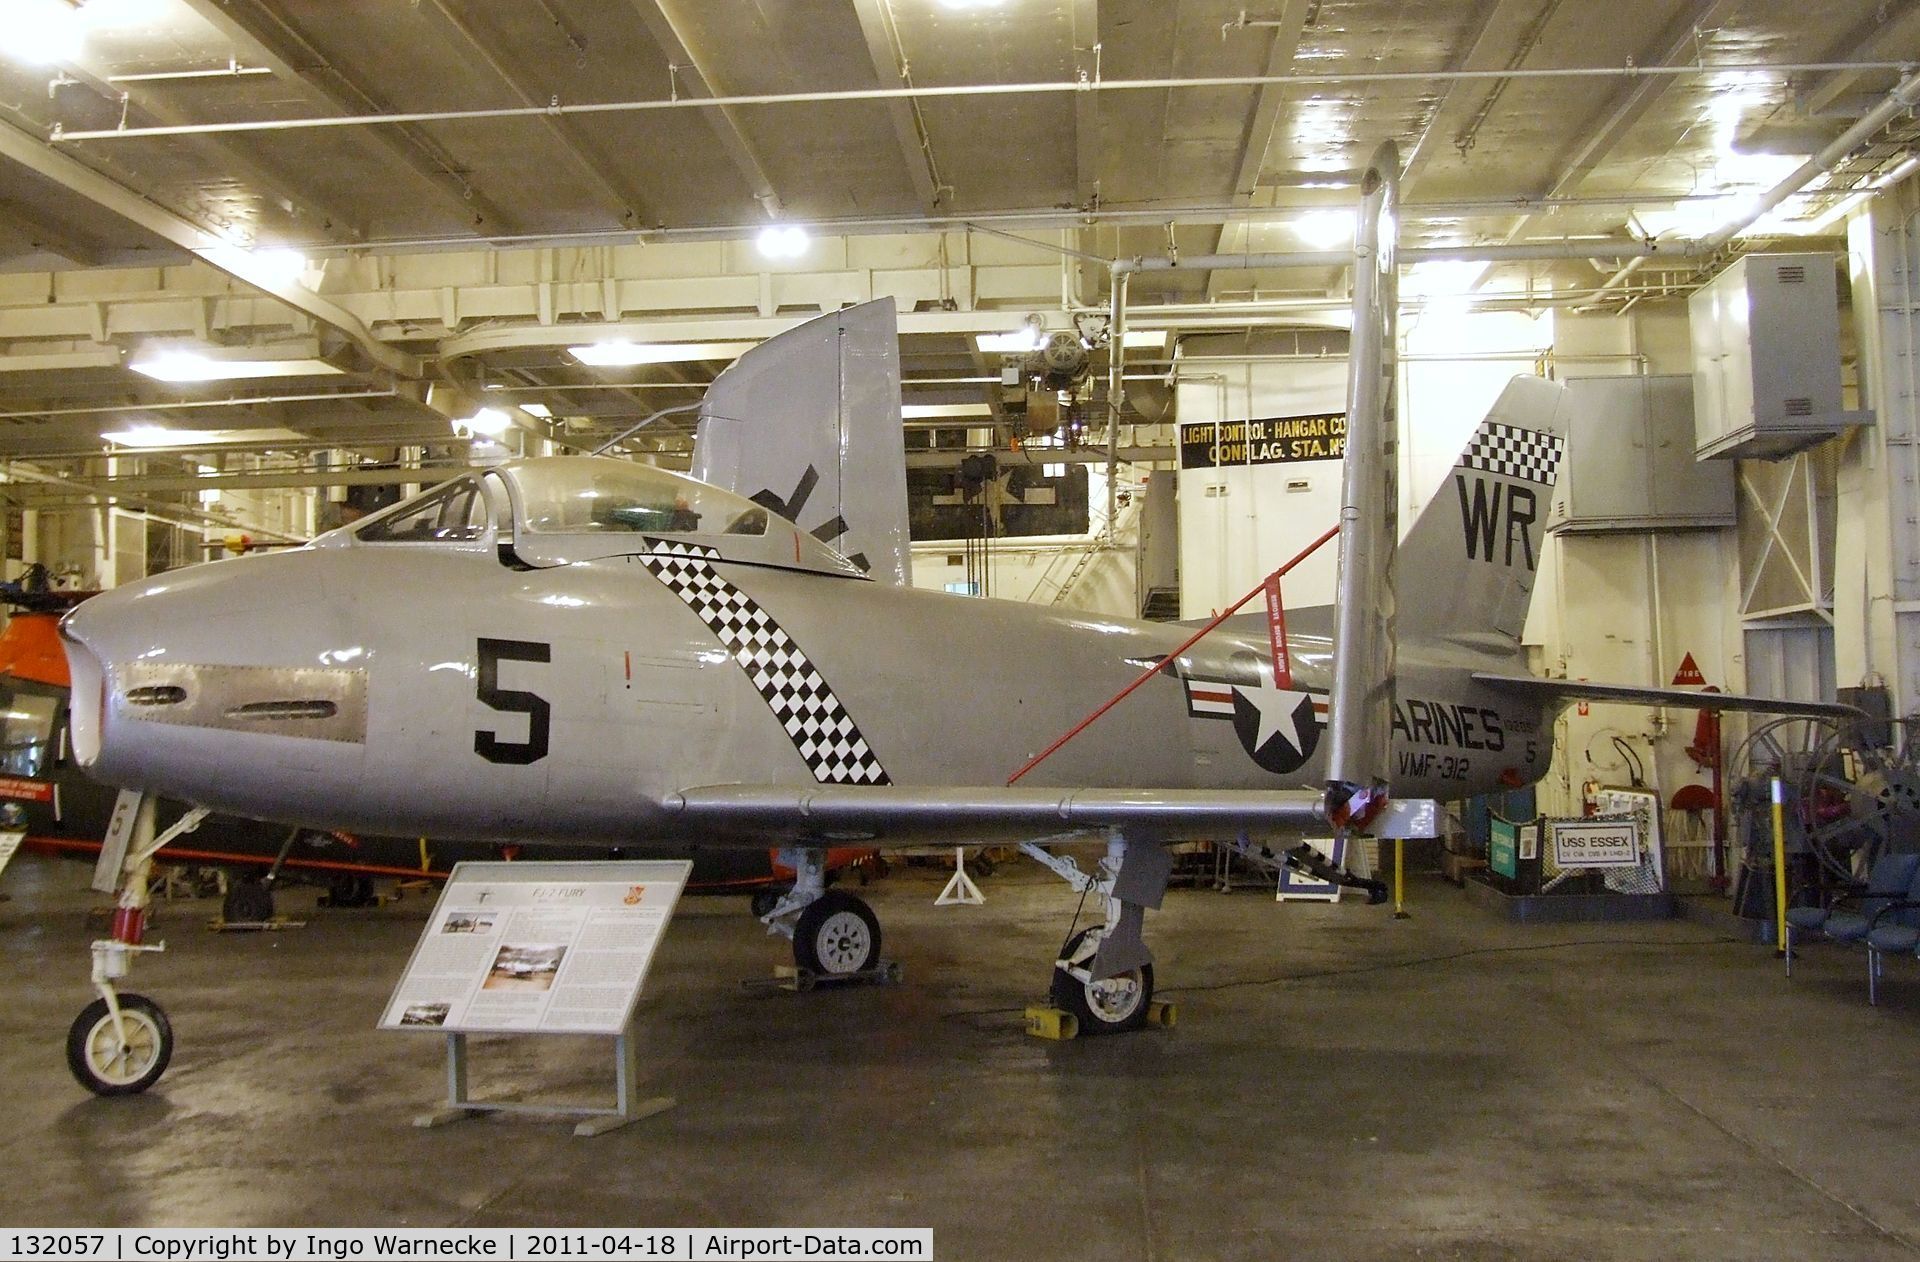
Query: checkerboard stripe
{"x": 1531, "y": 455}
{"x": 818, "y": 725}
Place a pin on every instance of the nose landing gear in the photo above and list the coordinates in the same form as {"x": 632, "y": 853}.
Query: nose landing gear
{"x": 120, "y": 1044}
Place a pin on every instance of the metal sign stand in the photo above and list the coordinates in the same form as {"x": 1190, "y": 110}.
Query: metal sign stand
{"x": 626, "y": 1109}
{"x": 499, "y": 956}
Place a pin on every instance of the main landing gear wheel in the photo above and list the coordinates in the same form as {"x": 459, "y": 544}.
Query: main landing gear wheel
{"x": 103, "y": 1063}
{"x": 1113, "y": 1006}
{"x": 836, "y": 935}
{"x": 348, "y": 889}
{"x": 247, "y": 903}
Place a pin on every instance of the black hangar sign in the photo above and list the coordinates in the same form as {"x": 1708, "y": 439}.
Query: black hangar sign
{"x": 1273, "y": 440}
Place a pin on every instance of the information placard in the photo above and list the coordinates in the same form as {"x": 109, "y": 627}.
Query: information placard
{"x": 537, "y": 948}
{"x": 1596, "y": 843}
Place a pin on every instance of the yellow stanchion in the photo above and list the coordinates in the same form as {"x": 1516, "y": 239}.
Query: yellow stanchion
{"x": 1400, "y": 880}
{"x": 1779, "y": 867}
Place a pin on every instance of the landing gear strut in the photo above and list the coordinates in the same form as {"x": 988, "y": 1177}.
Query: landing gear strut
{"x": 835, "y": 935}
{"x": 120, "y": 1044}
{"x": 1104, "y": 976}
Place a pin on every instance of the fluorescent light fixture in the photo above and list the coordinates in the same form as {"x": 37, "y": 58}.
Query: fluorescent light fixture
{"x": 1325, "y": 229}
{"x": 45, "y": 32}
{"x": 1699, "y": 216}
{"x": 181, "y": 366}
{"x": 1026, "y": 338}
{"x": 963, "y": 5}
{"x": 540, "y": 410}
{"x": 621, "y": 353}
{"x": 270, "y": 269}
{"x": 1444, "y": 280}
{"x": 285, "y": 266}
{"x": 782, "y": 241}
{"x": 490, "y": 422}
{"x": 929, "y": 411}
{"x": 160, "y": 436}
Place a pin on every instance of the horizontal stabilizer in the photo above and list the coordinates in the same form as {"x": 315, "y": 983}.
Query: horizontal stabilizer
{"x": 1564, "y": 692}
{"x": 865, "y": 811}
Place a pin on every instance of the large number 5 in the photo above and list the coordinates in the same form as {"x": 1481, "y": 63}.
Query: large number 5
{"x": 508, "y": 701}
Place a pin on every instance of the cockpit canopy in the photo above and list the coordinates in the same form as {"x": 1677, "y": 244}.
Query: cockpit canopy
{"x": 574, "y": 508}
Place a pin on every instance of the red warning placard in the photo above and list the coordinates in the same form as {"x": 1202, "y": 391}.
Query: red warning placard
{"x": 1688, "y": 676}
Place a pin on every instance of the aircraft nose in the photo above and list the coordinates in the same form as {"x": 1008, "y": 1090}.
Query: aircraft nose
{"x": 182, "y": 673}
{"x": 87, "y": 709}
{"x": 101, "y": 637}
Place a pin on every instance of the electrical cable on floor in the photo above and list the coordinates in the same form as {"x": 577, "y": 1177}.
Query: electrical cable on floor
{"x": 1417, "y": 961}
{"x": 1388, "y": 966}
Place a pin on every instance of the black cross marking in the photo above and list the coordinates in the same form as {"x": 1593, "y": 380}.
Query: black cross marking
{"x": 791, "y": 506}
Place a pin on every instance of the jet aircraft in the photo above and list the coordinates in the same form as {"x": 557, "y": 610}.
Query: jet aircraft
{"x": 581, "y": 649}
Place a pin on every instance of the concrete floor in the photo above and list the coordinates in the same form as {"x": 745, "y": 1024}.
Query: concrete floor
{"x": 1340, "y": 1085}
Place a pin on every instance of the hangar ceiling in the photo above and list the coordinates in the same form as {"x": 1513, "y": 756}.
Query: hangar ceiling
{"x": 371, "y": 217}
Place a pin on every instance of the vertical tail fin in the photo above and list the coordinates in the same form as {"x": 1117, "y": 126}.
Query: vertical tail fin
{"x": 807, "y": 424}
{"x": 1466, "y": 569}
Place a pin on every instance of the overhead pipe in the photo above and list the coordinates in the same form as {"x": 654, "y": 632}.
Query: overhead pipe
{"x": 194, "y": 405}
{"x": 1901, "y": 99}
{"x": 1519, "y": 252}
{"x": 1897, "y": 102}
{"x": 1049, "y": 87}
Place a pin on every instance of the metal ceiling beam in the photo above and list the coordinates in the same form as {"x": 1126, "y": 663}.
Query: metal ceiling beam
{"x": 1086, "y": 111}
{"x": 261, "y": 35}
{"x": 890, "y": 66}
{"x": 111, "y": 359}
{"x": 40, "y": 233}
{"x": 1678, "y": 44}
{"x": 727, "y": 128}
{"x": 1030, "y": 218}
{"x": 84, "y": 180}
{"x": 626, "y": 203}
{"x": 28, "y": 482}
{"x": 145, "y": 484}
{"x": 1267, "y": 103}
{"x": 235, "y": 159}
{"x": 1471, "y": 52}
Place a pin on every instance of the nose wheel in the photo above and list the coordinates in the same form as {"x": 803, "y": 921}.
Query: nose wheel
{"x": 119, "y": 1048}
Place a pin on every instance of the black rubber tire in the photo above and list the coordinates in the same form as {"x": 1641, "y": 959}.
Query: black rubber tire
{"x": 837, "y": 934}
{"x": 348, "y": 889}
{"x": 1104, "y": 1017}
{"x": 150, "y": 1043}
{"x": 247, "y": 902}
{"x": 763, "y": 901}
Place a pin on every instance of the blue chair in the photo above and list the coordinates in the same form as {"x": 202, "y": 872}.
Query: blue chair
{"x": 1898, "y": 934}
{"x": 1851, "y": 917}
{"x": 1893, "y": 927}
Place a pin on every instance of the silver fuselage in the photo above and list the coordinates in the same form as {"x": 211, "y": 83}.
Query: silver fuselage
{"x": 348, "y": 686}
